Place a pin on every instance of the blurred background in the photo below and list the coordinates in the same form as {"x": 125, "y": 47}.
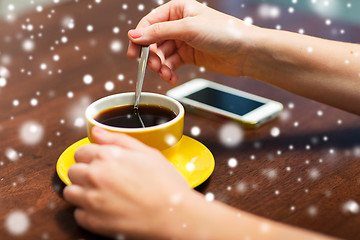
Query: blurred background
{"x": 343, "y": 10}
{"x": 60, "y": 57}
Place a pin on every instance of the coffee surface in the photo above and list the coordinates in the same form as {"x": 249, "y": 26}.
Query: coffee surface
{"x": 126, "y": 117}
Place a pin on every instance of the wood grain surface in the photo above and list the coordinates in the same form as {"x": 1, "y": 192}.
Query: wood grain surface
{"x": 307, "y": 176}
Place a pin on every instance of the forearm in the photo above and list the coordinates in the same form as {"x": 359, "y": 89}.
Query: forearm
{"x": 323, "y": 70}
{"x": 196, "y": 218}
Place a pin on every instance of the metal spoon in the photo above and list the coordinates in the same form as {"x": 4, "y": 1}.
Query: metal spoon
{"x": 140, "y": 79}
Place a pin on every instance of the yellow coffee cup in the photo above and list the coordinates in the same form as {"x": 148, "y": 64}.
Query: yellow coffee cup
{"x": 160, "y": 136}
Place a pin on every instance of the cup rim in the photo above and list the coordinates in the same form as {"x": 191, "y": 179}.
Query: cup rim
{"x": 134, "y": 130}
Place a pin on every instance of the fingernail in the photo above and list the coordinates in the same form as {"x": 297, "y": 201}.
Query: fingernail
{"x": 172, "y": 81}
{"x": 136, "y": 33}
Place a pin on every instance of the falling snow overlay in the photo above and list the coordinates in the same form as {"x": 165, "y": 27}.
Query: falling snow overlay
{"x": 231, "y": 134}
{"x": 17, "y": 222}
{"x": 58, "y": 56}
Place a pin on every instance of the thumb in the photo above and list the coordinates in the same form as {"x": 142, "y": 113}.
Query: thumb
{"x": 177, "y": 29}
{"x": 104, "y": 137}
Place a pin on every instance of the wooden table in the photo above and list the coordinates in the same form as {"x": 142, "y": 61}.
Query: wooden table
{"x": 307, "y": 176}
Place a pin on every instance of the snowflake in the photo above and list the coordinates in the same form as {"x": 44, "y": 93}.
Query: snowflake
{"x": 43, "y": 66}
{"x": 29, "y": 27}
{"x": 70, "y": 94}
{"x": 314, "y": 173}
{"x": 31, "y": 132}
{"x": 312, "y": 211}
{"x": 17, "y": 222}
{"x": 116, "y": 30}
{"x": 56, "y": 57}
{"x": 34, "y": 102}
{"x": 351, "y": 207}
{"x": 16, "y": 102}
{"x": 28, "y": 45}
{"x": 2, "y": 82}
{"x": 190, "y": 166}
{"x": 232, "y": 162}
{"x": 195, "y": 131}
{"x": 209, "y": 197}
{"x": 141, "y": 7}
{"x": 270, "y": 173}
{"x": 248, "y": 21}
{"x": 120, "y": 77}
{"x": 11, "y": 7}
{"x": 89, "y": 28}
{"x": 11, "y": 154}
{"x": 269, "y": 11}
{"x": 275, "y": 132}
{"x": 87, "y": 79}
{"x": 79, "y": 122}
{"x": 230, "y": 134}
{"x": 170, "y": 139}
{"x": 116, "y": 46}
{"x": 39, "y": 8}
{"x": 109, "y": 86}
{"x": 68, "y": 22}
{"x": 64, "y": 39}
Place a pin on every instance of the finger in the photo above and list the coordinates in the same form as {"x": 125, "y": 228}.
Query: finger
{"x": 74, "y": 194}
{"x": 94, "y": 222}
{"x": 174, "y": 78}
{"x": 79, "y": 175}
{"x": 168, "y": 75}
{"x": 133, "y": 51}
{"x": 86, "y": 153}
{"x": 174, "y": 61}
{"x": 83, "y": 219}
{"x": 166, "y": 49}
{"x": 159, "y": 14}
{"x": 104, "y": 137}
{"x": 165, "y": 73}
{"x": 177, "y": 29}
{"x": 154, "y": 62}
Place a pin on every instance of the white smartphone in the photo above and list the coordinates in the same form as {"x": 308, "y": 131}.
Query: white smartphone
{"x": 249, "y": 109}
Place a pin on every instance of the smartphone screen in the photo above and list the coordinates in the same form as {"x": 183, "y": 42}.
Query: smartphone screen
{"x": 225, "y": 101}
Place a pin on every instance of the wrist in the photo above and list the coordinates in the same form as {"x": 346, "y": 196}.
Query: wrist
{"x": 185, "y": 218}
{"x": 257, "y": 53}
{"x": 250, "y": 48}
{"x": 196, "y": 218}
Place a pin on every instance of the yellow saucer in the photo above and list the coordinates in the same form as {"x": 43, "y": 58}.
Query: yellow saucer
{"x": 191, "y": 158}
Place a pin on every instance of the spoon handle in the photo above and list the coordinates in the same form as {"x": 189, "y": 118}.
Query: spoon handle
{"x": 141, "y": 74}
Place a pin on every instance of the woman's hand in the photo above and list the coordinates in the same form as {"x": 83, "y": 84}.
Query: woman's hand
{"x": 121, "y": 186}
{"x": 187, "y": 32}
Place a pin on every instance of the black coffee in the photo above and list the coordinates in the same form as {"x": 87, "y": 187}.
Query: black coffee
{"x": 127, "y": 117}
